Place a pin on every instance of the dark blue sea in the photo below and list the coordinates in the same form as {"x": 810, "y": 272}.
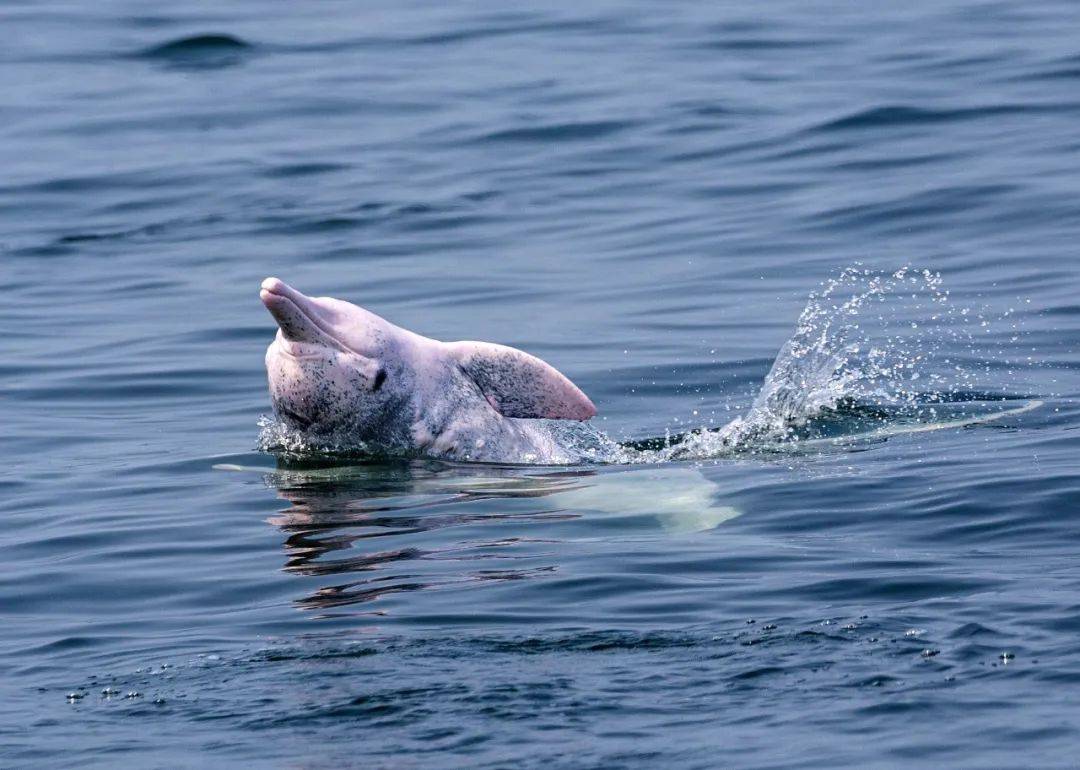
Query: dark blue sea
{"x": 658, "y": 199}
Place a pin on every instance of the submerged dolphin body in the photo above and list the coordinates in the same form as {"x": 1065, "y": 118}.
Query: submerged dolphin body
{"x": 339, "y": 371}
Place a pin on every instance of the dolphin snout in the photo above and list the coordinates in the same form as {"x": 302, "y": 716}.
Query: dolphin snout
{"x": 291, "y": 309}
{"x": 275, "y": 287}
{"x": 275, "y": 293}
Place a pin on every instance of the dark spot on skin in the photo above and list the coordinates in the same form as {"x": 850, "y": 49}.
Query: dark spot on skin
{"x": 380, "y": 378}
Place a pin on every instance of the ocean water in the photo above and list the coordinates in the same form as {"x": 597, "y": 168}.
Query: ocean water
{"x": 851, "y": 229}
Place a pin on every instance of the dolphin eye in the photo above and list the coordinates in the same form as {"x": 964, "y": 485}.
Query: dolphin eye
{"x": 380, "y": 378}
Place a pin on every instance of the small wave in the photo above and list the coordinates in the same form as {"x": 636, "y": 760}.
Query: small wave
{"x": 1060, "y": 73}
{"x": 290, "y": 170}
{"x": 521, "y": 26}
{"x": 209, "y": 51}
{"x": 901, "y": 115}
{"x": 560, "y": 132}
{"x": 767, "y": 43}
{"x": 910, "y": 210}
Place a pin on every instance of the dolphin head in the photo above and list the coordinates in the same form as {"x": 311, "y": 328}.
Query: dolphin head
{"x": 334, "y": 365}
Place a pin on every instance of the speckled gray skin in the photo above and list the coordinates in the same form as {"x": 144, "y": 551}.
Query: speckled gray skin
{"x": 337, "y": 369}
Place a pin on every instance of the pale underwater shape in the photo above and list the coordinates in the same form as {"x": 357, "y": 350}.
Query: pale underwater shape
{"x": 679, "y": 497}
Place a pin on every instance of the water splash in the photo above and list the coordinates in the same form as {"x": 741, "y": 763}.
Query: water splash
{"x": 279, "y": 438}
{"x": 869, "y": 349}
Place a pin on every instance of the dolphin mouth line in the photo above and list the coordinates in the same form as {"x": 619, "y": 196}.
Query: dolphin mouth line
{"x": 283, "y": 348}
{"x": 313, "y": 320}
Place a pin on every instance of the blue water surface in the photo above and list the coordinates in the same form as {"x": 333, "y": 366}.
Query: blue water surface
{"x": 642, "y": 194}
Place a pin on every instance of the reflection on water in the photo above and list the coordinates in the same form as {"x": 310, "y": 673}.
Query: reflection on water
{"x": 379, "y": 524}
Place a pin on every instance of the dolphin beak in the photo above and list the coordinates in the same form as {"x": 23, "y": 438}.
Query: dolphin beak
{"x": 291, "y": 310}
{"x": 277, "y": 296}
{"x": 273, "y": 290}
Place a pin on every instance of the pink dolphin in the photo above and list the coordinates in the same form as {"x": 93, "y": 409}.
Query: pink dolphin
{"x": 337, "y": 369}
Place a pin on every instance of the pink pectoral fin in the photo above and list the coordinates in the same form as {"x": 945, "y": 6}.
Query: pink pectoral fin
{"x": 517, "y": 384}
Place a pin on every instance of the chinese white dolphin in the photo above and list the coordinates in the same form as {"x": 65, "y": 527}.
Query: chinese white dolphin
{"x": 338, "y": 370}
